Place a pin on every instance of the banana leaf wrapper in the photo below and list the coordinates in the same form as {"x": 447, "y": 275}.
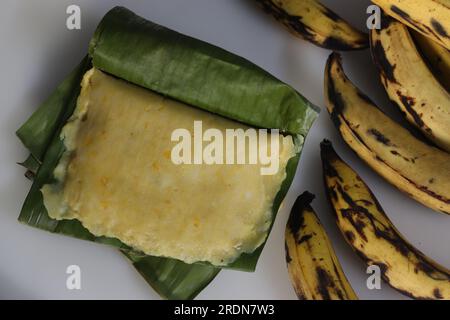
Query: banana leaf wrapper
{"x": 182, "y": 68}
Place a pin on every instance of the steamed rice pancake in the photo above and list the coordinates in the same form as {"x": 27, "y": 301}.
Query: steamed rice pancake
{"x": 117, "y": 178}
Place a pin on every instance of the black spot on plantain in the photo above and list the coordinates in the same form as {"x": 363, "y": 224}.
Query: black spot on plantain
{"x": 300, "y": 295}
{"x": 433, "y": 194}
{"x": 339, "y": 106}
{"x": 350, "y": 236}
{"x": 352, "y": 216}
{"x": 333, "y": 95}
{"x": 296, "y": 218}
{"x": 439, "y": 28}
{"x": 325, "y": 283}
{"x": 398, "y": 154}
{"x": 401, "y": 13}
{"x": 286, "y": 250}
{"x": 328, "y": 155}
{"x": 382, "y": 62}
{"x": 296, "y": 24}
{"x": 404, "y": 15}
{"x": 338, "y": 291}
{"x": 339, "y": 294}
{"x": 304, "y": 238}
{"x": 334, "y": 43}
{"x": 367, "y": 203}
{"x": 408, "y": 103}
{"x": 379, "y": 137}
{"x": 394, "y": 238}
{"x": 437, "y": 294}
{"x": 293, "y": 23}
{"x": 332, "y": 193}
{"x": 383, "y": 268}
{"x": 353, "y": 213}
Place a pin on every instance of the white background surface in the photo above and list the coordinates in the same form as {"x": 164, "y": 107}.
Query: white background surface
{"x": 38, "y": 51}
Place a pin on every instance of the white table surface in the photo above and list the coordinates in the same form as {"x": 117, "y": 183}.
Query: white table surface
{"x": 38, "y": 51}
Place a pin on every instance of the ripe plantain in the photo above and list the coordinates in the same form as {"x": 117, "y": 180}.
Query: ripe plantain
{"x": 312, "y": 21}
{"x": 429, "y": 17}
{"x": 410, "y": 83}
{"x": 419, "y": 170}
{"x": 374, "y": 238}
{"x": 314, "y": 269}
{"x": 437, "y": 57}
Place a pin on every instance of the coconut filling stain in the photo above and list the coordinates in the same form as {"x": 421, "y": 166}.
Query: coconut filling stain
{"x": 117, "y": 178}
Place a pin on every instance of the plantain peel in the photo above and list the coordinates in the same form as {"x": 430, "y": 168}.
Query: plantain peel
{"x": 371, "y": 234}
{"x": 312, "y": 21}
{"x": 429, "y": 17}
{"x": 416, "y": 168}
{"x": 313, "y": 266}
{"x": 118, "y": 179}
{"x": 415, "y": 90}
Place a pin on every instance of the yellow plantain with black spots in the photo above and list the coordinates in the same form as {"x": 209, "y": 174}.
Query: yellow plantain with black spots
{"x": 429, "y": 17}
{"x": 371, "y": 234}
{"x": 418, "y": 169}
{"x": 312, "y": 21}
{"x": 314, "y": 269}
{"x": 437, "y": 57}
{"x": 410, "y": 83}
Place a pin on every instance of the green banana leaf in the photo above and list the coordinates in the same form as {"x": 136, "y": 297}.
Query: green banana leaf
{"x": 182, "y": 68}
{"x": 173, "y": 279}
{"x": 197, "y": 73}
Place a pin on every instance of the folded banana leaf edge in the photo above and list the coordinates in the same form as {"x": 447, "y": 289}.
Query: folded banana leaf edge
{"x": 182, "y": 68}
